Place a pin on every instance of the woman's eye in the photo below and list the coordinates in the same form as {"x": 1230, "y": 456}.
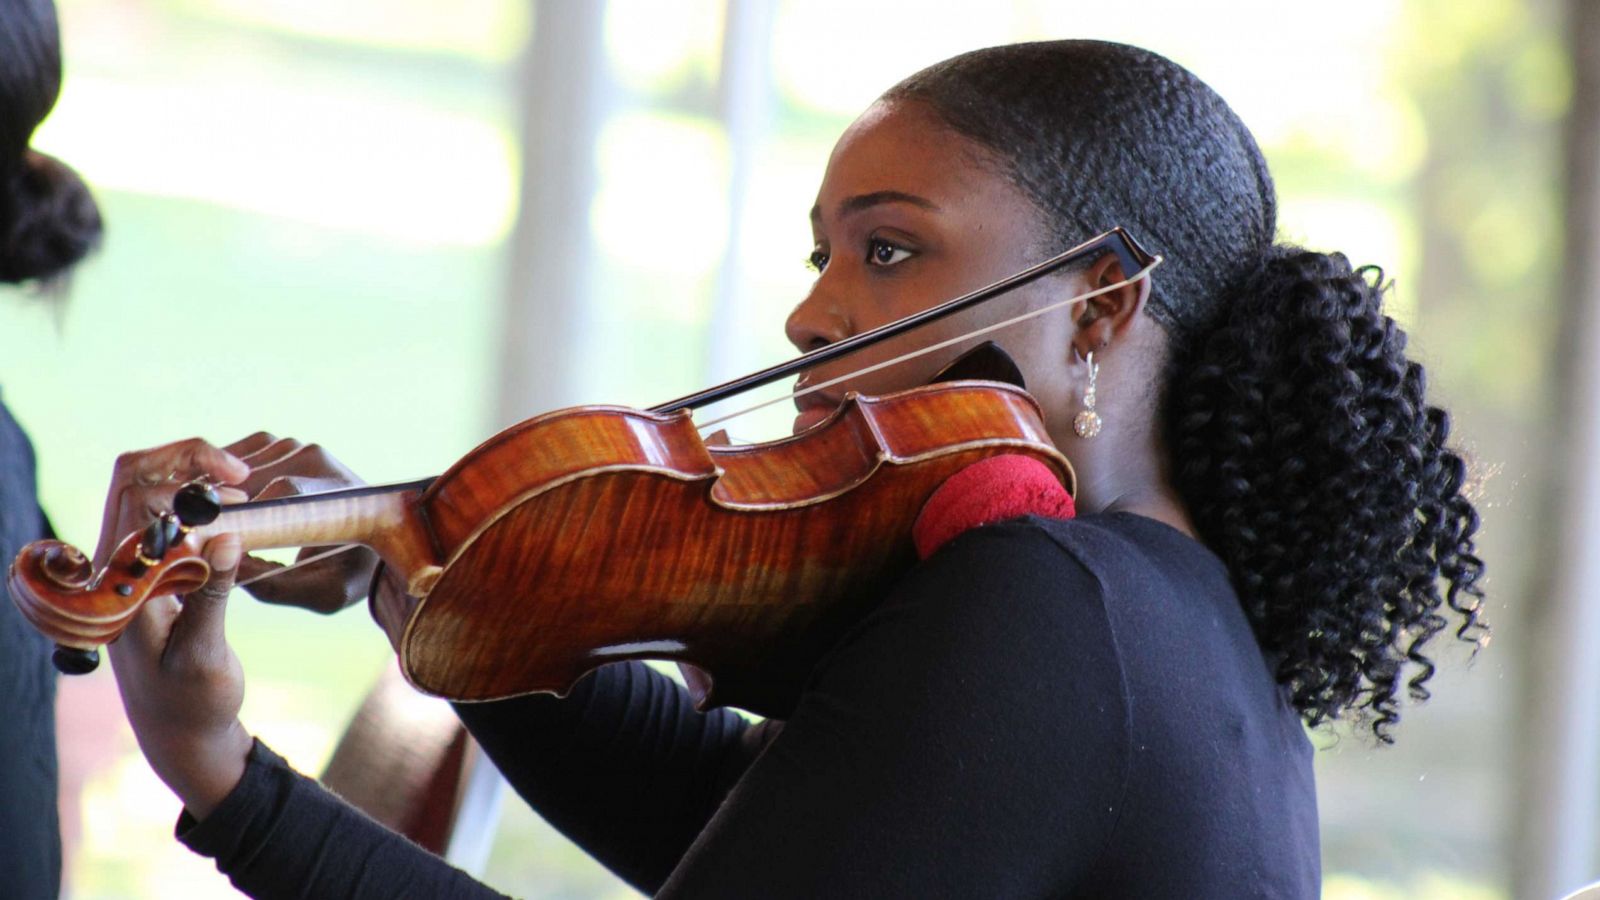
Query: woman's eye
{"x": 882, "y": 253}
{"x": 817, "y": 261}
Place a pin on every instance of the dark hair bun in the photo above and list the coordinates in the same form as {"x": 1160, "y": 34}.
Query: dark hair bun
{"x": 48, "y": 220}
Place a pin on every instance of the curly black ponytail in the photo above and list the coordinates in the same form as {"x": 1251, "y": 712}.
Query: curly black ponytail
{"x": 1311, "y": 462}
{"x": 1301, "y": 437}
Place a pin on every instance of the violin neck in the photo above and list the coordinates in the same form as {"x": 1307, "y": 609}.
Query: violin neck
{"x": 383, "y": 518}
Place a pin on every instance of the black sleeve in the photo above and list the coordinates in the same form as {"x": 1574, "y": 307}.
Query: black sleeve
{"x": 624, "y": 765}
{"x": 281, "y": 834}
{"x": 969, "y": 738}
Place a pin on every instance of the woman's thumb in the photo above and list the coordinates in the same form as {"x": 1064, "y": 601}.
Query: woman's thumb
{"x": 204, "y": 608}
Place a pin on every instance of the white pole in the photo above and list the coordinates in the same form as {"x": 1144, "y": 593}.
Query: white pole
{"x": 1562, "y": 747}
{"x": 746, "y": 102}
{"x": 478, "y": 817}
{"x": 563, "y": 93}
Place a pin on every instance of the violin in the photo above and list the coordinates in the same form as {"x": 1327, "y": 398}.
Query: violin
{"x": 602, "y": 533}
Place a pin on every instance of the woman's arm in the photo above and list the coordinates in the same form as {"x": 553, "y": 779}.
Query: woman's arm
{"x": 281, "y": 834}
{"x": 624, "y": 765}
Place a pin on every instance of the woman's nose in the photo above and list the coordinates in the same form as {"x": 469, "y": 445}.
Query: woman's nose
{"x": 816, "y": 322}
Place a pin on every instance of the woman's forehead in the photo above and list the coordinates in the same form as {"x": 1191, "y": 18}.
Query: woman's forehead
{"x": 902, "y": 147}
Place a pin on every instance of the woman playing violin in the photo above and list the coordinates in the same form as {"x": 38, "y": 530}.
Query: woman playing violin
{"x": 1271, "y": 530}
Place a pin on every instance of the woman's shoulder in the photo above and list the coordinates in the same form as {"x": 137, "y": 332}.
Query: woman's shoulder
{"x": 1115, "y": 552}
{"x": 1116, "y": 590}
{"x": 1164, "y": 595}
{"x": 1116, "y": 542}
{"x": 1104, "y": 593}
{"x": 1025, "y": 585}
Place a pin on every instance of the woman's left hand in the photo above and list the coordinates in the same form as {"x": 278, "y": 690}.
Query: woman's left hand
{"x": 182, "y": 686}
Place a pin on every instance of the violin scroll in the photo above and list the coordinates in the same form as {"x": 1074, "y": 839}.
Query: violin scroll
{"x": 55, "y": 586}
{"x": 66, "y": 566}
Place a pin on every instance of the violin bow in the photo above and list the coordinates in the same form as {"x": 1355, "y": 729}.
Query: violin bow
{"x": 1133, "y": 258}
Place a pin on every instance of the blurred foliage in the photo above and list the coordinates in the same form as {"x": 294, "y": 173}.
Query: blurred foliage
{"x": 1493, "y": 83}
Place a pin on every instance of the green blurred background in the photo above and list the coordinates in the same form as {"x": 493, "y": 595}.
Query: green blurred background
{"x": 309, "y": 206}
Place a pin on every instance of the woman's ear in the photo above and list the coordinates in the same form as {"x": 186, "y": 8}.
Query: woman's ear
{"x": 1105, "y": 318}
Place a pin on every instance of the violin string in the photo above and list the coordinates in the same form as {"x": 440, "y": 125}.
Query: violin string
{"x": 932, "y": 348}
{"x": 319, "y": 557}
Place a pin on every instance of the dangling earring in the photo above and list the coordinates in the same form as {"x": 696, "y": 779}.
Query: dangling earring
{"x": 1087, "y": 423}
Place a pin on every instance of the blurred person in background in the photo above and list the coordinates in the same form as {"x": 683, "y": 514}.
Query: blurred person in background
{"x": 1271, "y": 530}
{"x": 48, "y": 222}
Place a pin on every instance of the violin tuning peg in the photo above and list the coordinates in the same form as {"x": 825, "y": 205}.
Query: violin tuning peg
{"x": 159, "y": 538}
{"x": 75, "y": 661}
{"x": 197, "y": 504}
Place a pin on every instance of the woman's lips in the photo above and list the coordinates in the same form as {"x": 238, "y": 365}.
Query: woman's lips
{"x": 814, "y": 406}
{"x": 813, "y": 409}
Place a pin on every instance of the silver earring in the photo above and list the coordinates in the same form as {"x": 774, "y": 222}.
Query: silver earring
{"x": 1087, "y": 423}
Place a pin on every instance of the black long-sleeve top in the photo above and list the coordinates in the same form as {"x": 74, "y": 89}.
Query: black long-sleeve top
{"x": 1042, "y": 709}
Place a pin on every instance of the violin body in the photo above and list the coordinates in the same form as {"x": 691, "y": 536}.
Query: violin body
{"x": 597, "y": 534}
{"x": 600, "y": 534}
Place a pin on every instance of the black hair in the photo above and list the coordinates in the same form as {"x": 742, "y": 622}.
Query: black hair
{"x": 1300, "y": 438}
{"x": 48, "y": 220}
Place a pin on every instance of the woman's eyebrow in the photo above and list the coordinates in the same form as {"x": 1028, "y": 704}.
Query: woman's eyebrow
{"x": 863, "y": 201}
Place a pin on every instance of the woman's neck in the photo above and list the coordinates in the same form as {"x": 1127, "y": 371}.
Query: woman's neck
{"x": 1128, "y": 476}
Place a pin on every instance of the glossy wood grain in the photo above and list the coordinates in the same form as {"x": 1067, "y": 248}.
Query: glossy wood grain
{"x": 745, "y": 561}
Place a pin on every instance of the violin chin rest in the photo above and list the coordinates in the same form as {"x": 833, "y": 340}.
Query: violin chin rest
{"x": 992, "y": 490}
